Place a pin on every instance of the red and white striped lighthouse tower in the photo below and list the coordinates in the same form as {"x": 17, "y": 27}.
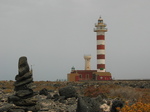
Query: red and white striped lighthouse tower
{"x": 100, "y": 29}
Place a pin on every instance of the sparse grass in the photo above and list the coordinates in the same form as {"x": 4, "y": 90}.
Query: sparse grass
{"x": 47, "y": 85}
{"x": 132, "y": 95}
{"x": 42, "y": 84}
{"x": 6, "y": 84}
{"x": 125, "y": 93}
{"x": 8, "y": 90}
{"x": 94, "y": 91}
{"x": 138, "y": 98}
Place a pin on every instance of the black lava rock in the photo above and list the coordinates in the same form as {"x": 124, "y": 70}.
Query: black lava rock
{"x": 16, "y": 110}
{"x": 43, "y": 92}
{"x": 115, "y": 104}
{"x": 68, "y": 92}
{"x": 87, "y": 104}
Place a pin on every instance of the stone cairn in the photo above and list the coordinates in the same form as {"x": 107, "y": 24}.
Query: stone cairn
{"x": 23, "y": 98}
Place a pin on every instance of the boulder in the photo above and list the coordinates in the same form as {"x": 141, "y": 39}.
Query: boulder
{"x": 87, "y": 104}
{"x": 43, "y": 92}
{"x": 68, "y": 92}
{"x": 49, "y": 96}
{"x": 115, "y": 104}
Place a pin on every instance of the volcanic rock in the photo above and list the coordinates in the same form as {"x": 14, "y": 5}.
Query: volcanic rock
{"x": 23, "y": 88}
{"x": 6, "y": 107}
{"x": 87, "y": 104}
{"x": 115, "y": 104}
{"x": 68, "y": 92}
{"x": 43, "y": 92}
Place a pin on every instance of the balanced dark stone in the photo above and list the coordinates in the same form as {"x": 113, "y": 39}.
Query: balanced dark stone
{"x": 13, "y": 98}
{"x": 16, "y": 110}
{"x": 23, "y": 93}
{"x": 6, "y": 107}
{"x": 23, "y": 96}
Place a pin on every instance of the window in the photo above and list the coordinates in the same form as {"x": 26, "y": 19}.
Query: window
{"x": 87, "y": 76}
{"x": 100, "y": 21}
{"x": 80, "y": 76}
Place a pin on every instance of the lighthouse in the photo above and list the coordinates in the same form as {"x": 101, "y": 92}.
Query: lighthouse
{"x": 100, "y": 73}
{"x": 100, "y": 29}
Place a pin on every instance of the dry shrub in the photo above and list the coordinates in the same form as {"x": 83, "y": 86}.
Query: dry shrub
{"x": 7, "y": 86}
{"x": 145, "y": 97}
{"x": 125, "y": 93}
{"x": 137, "y": 107}
{"x": 131, "y": 94}
{"x": 47, "y": 85}
{"x": 8, "y": 90}
{"x": 43, "y": 84}
{"x": 93, "y": 91}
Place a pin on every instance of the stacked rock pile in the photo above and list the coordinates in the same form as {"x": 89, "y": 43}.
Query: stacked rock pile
{"x": 23, "y": 88}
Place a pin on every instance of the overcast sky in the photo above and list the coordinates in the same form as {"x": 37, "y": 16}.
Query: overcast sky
{"x": 55, "y": 34}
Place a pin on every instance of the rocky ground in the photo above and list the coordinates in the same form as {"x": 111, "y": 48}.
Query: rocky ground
{"x": 68, "y": 97}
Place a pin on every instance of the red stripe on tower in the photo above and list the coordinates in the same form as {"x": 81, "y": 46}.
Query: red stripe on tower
{"x": 100, "y": 56}
{"x": 100, "y": 37}
{"x": 100, "y": 66}
{"x": 100, "y": 46}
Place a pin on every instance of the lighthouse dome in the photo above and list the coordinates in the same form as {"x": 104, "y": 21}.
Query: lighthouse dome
{"x": 100, "y": 20}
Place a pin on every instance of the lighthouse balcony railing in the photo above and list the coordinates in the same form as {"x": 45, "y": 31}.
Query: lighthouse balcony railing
{"x": 100, "y": 24}
{"x": 100, "y": 29}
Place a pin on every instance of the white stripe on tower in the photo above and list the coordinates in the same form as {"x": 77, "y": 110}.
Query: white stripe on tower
{"x": 100, "y": 29}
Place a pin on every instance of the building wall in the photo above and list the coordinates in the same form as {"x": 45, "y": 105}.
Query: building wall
{"x": 103, "y": 75}
{"x": 73, "y": 77}
{"x": 83, "y": 75}
{"x": 104, "y": 78}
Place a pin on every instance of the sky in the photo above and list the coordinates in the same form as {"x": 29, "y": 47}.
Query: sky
{"x": 54, "y": 35}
